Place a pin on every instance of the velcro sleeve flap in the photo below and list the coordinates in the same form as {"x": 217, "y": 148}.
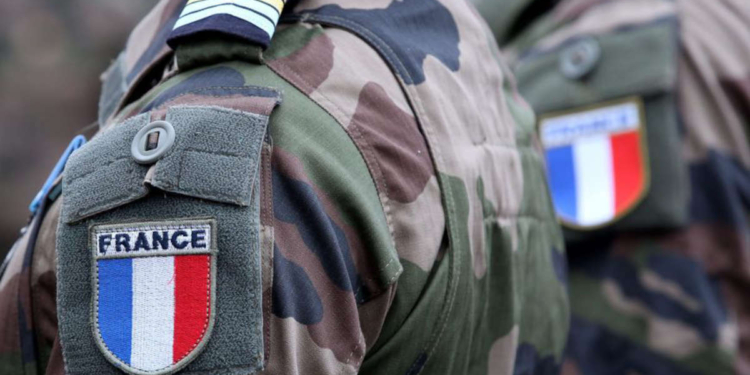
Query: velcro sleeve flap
{"x": 215, "y": 157}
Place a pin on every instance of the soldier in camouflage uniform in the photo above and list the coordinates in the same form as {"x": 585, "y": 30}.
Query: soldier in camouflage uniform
{"x": 361, "y": 193}
{"x": 662, "y": 289}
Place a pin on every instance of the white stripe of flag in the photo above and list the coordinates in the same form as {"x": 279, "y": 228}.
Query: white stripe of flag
{"x": 594, "y": 180}
{"x": 153, "y": 313}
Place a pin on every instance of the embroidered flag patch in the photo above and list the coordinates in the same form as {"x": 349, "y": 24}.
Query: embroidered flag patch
{"x": 154, "y": 292}
{"x": 596, "y": 162}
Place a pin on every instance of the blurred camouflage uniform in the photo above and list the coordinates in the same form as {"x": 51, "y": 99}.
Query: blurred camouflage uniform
{"x": 663, "y": 290}
{"x": 404, "y": 222}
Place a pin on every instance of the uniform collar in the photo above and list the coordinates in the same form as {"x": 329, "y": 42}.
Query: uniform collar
{"x": 147, "y": 43}
{"x": 145, "y": 49}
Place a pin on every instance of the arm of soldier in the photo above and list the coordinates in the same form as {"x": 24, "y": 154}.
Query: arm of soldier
{"x": 27, "y": 292}
{"x": 330, "y": 262}
{"x": 328, "y": 292}
{"x": 323, "y": 314}
{"x": 334, "y": 262}
{"x": 325, "y": 306}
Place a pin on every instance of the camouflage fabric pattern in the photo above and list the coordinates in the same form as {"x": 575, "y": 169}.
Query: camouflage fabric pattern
{"x": 27, "y": 289}
{"x": 669, "y": 301}
{"x": 407, "y": 226}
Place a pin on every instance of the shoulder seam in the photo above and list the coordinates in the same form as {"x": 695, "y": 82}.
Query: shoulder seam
{"x": 355, "y": 135}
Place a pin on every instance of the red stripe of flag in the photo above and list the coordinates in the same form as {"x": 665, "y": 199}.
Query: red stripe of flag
{"x": 192, "y": 302}
{"x": 627, "y": 169}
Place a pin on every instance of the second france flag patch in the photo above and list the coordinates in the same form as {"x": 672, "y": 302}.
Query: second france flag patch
{"x": 597, "y": 162}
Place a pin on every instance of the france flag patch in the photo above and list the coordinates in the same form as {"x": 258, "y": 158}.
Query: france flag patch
{"x": 154, "y": 292}
{"x": 597, "y": 162}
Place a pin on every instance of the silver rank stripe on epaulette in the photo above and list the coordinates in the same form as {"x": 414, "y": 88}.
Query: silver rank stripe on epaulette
{"x": 264, "y": 14}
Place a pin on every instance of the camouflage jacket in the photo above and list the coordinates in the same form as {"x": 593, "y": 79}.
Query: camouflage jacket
{"x": 664, "y": 289}
{"x": 393, "y": 219}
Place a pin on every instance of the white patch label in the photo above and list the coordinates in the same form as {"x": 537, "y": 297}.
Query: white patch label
{"x": 566, "y": 129}
{"x": 152, "y": 240}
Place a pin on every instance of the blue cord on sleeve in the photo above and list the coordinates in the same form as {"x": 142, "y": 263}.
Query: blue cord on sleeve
{"x": 75, "y": 144}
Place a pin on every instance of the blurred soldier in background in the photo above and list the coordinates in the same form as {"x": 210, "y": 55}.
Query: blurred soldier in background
{"x": 358, "y": 190}
{"x": 643, "y": 111}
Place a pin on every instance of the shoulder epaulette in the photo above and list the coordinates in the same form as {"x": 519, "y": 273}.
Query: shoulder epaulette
{"x": 251, "y": 20}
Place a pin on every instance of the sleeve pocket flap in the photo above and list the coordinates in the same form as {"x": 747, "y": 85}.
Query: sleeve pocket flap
{"x": 633, "y": 60}
{"x": 215, "y": 156}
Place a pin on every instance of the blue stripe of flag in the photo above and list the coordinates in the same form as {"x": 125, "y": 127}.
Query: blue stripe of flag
{"x": 562, "y": 181}
{"x": 115, "y": 310}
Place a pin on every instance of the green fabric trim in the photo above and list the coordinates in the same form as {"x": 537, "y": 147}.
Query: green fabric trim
{"x": 205, "y": 51}
{"x": 332, "y": 162}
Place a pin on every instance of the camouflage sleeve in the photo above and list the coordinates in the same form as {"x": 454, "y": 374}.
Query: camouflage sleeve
{"x": 27, "y": 294}
{"x": 347, "y": 77}
{"x": 329, "y": 261}
{"x": 334, "y": 266}
{"x": 344, "y": 74}
{"x": 330, "y": 266}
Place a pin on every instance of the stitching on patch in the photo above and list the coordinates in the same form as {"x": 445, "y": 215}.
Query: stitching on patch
{"x": 208, "y": 312}
{"x": 211, "y": 290}
{"x": 265, "y": 188}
